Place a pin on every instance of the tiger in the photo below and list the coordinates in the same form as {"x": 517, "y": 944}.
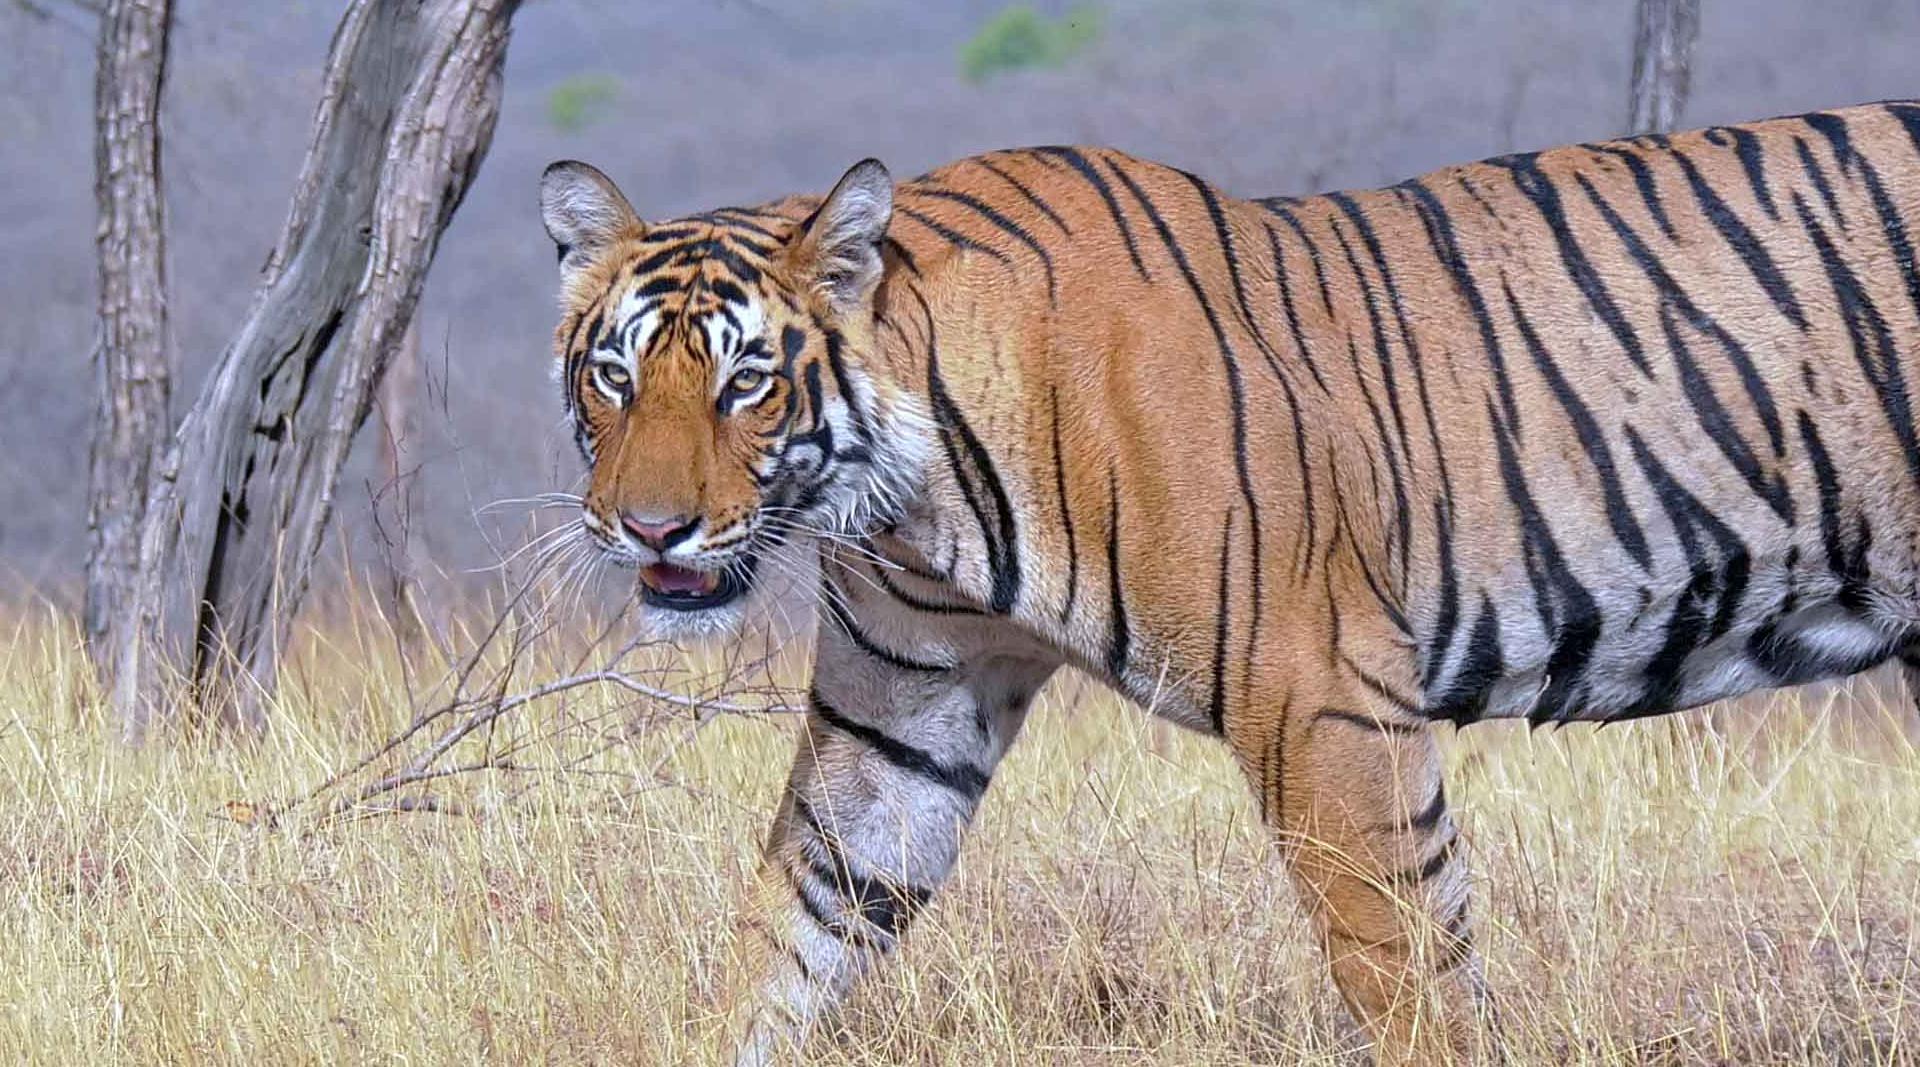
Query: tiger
{"x": 1588, "y": 434}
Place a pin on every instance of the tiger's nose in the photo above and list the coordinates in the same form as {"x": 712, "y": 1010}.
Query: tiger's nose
{"x": 658, "y": 535}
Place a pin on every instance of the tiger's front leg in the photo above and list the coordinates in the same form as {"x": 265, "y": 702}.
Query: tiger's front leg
{"x": 905, "y": 728}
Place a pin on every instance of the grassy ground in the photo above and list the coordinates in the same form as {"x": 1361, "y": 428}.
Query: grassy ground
{"x": 1647, "y": 895}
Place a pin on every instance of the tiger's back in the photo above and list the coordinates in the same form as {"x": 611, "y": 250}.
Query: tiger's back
{"x": 1675, "y": 457}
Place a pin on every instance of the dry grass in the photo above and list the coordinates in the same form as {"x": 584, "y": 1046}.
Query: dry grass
{"x": 1646, "y": 896}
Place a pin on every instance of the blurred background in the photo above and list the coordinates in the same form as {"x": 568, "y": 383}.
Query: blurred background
{"x": 696, "y": 103}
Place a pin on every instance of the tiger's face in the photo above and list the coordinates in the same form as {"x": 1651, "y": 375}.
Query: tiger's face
{"x": 721, "y": 378}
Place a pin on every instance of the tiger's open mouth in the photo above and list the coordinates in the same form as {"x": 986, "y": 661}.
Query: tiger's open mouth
{"x": 664, "y": 585}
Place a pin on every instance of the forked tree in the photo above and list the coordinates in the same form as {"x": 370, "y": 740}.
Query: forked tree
{"x": 242, "y": 492}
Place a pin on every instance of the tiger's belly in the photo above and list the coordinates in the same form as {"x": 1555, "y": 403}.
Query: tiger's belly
{"x": 1715, "y": 635}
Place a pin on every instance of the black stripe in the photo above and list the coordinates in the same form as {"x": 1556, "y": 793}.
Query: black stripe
{"x": 1383, "y": 357}
{"x": 1753, "y": 160}
{"x": 954, "y": 237}
{"x": 963, "y": 778}
{"x": 1441, "y": 235}
{"x": 1424, "y": 820}
{"x": 835, "y": 927}
{"x": 1720, "y": 577}
{"x": 1891, "y": 224}
{"x": 1309, "y": 534}
{"x": 1434, "y": 865}
{"x": 900, "y": 253}
{"x": 1222, "y": 622}
{"x": 844, "y": 621}
{"x": 1120, "y": 634}
{"x": 1847, "y": 562}
{"x": 980, "y": 486}
{"x": 793, "y": 340}
{"x": 1446, "y": 621}
{"x": 1286, "y": 306}
{"x": 729, "y": 294}
{"x": 1280, "y": 210}
{"x": 884, "y": 905}
{"x": 1073, "y": 158}
{"x": 743, "y": 218}
{"x": 927, "y": 573}
{"x": 1821, "y": 183}
{"x": 692, "y": 252}
{"x": 918, "y": 603}
{"x": 1540, "y": 191}
{"x": 1387, "y": 604}
{"x": 1005, "y": 225}
{"x": 1229, "y": 363}
{"x": 1567, "y": 610}
{"x": 1698, "y": 387}
{"x": 1031, "y": 196}
{"x": 1691, "y": 518}
{"x": 1870, "y": 339}
{"x": 1482, "y": 665}
{"x": 1304, "y": 551}
{"x": 836, "y": 363}
{"x": 1378, "y": 687}
{"x": 1273, "y": 767}
{"x": 1224, "y": 235}
{"x": 1593, "y": 441}
{"x": 1401, "y": 536}
{"x": 1066, "y": 510}
{"x": 1750, "y": 250}
{"x": 1415, "y": 362}
{"x": 1642, "y": 181}
{"x": 1472, "y": 190}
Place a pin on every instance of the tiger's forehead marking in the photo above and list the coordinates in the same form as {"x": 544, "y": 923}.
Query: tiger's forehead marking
{"x": 636, "y": 321}
{"x": 696, "y": 282}
{"x": 723, "y": 316}
{"x": 731, "y": 325}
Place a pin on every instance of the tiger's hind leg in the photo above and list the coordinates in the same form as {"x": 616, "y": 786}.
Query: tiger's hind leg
{"x": 1354, "y": 794}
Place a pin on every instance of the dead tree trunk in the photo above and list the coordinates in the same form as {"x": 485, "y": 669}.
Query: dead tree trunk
{"x": 406, "y": 113}
{"x": 131, "y": 377}
{"x": 1664, "y": 32}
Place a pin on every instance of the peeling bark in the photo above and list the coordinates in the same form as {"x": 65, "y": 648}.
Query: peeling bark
{"x": 235, "y": 519}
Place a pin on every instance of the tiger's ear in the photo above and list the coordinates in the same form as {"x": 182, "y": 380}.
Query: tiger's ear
{"x": 584, "y": 212}
{"x": 838, "y": 248}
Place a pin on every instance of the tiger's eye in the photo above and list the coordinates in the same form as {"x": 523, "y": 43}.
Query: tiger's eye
{"x": 614, "y": 375}
{"x": 746, "y": 381}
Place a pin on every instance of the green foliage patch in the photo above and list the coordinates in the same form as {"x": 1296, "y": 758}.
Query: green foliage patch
{"x": 1020, "y": 38}
{"x": 580, "y": 101}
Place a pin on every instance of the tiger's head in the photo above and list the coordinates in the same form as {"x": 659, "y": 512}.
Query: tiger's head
{"x": 725, "y": 386}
